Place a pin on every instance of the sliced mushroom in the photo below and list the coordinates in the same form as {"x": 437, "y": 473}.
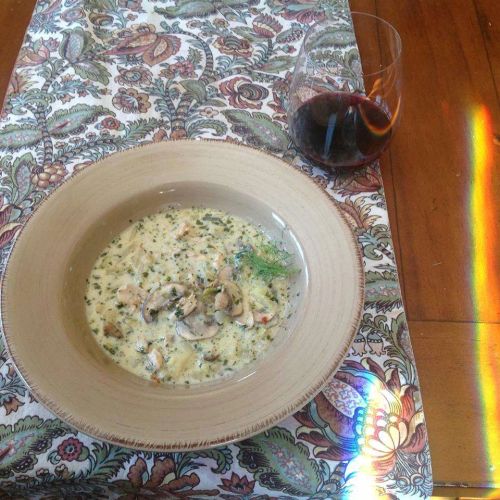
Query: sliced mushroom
{"x": 226, "y": 273}
{"x": 196, "y": 327}
{"x": 184, "y": 307}
{"x": 184, "y": 331}
{"x": 235, "y": 296}
{"x": 161, "y": 299}
{"x": 155, "y": 359}
{"x": 221, "y": 301}
{"x": 182, "y": 230}
{"x": 111, "y": 330}
{"x": 220, "y": 316}
{"x": 141, "y": 344}
{"x": 246, "y": 317}
{"x": 130, "y": 295}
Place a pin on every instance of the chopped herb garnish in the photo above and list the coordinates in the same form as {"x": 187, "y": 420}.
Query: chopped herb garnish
{"x": 268, "y": 262}
{"x": 213, "y": 219}
{"x": 111, "y": 349}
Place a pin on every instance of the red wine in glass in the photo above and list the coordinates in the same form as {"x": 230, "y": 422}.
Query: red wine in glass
{"x": 339, "y": 129}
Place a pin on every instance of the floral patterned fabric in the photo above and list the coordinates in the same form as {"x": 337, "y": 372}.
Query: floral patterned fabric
{"x": 95, "y": 77}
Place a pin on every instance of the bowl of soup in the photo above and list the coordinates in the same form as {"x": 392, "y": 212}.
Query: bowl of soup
{"x": 182, "y": 295}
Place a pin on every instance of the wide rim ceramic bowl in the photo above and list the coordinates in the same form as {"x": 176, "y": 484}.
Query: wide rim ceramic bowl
{"x": 43, "y": 308}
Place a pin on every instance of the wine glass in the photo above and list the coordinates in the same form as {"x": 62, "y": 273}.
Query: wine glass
{"x": 345, "y": 101}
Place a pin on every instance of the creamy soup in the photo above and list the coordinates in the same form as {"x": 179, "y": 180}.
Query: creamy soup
{"x": 188, "y": 295}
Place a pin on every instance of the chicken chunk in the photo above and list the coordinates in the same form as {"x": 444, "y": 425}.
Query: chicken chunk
{"x": 130, "y": 295}
{"x": 111, "y": 330}
{"x": 182, "y": 230}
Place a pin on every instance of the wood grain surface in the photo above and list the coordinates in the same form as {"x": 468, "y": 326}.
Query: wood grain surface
{"x": 14, "y": 18}
{"x": 451, "y": 66}
{"x": 445, "y": 354}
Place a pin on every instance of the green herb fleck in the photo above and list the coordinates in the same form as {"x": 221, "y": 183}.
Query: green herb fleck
{"x": 111, "y": 349}
{"x": 268, "y": 262}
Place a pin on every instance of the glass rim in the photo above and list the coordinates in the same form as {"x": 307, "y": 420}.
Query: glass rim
{"x": 397, "y": 37}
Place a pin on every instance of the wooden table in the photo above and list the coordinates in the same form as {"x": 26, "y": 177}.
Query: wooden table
{"x": 451, "y": 62}
{"x": 451, "y": 73}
